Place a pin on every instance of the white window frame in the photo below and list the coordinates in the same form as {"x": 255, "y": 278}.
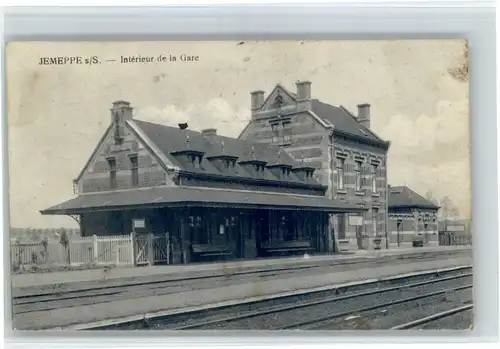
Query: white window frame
{"x": 287, "y": 131}
{"x": 276, "y": 132}
{"x": 357, "y": 171}
{"x": 374, "y": 221}
{"x": 374, "y": 178}
{"x": 340, "y": 174}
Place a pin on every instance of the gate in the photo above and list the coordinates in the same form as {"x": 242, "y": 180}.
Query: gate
{"x": 151, "y": 249}
{"x": 142, "y": 249}
{"x": 161, "y": 249}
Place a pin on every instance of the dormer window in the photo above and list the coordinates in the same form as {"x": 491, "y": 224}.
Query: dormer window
{"x": 230, "y": 163}
{"x": 196, "y": 160}
{"x": 223, "y": 162}
{"x": 254, "y": 166}
{"x": 285, "y": 171}
{"x": 304, "y": 173}
{"x": 193, "y": 157}
{"x": 260, "y": 169}
{"x": 282, "y": 171}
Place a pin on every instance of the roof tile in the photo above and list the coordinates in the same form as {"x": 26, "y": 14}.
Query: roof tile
{"x": 171, "y": 139}
{"x": 404, "y": 197}
{"x": 342, "y": 120}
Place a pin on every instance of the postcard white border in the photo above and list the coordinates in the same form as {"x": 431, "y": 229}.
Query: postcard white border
{"x": 472, "y": 20}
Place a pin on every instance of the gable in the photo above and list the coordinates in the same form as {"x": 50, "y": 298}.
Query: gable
{"x": 303, "y": 125}
{"x": 95, "y": 174}
{"x": 279, "y": 97}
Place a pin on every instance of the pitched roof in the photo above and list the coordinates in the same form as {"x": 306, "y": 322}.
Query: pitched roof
{"x": 340, "y": 118}
{"x": 171, "y": 139}
{"x": 211, "y": 197}
{"x": 343, "y": 121}
{"x": 404, "y": 197}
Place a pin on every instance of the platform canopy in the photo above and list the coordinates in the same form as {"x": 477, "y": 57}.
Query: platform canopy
{"x": 197, "y": 197}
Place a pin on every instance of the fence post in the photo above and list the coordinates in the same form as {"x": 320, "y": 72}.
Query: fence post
{"x": 117, "y": 251}
{"x": 132, "y": 252}
{"x": 151, "y": 253}
{"x": 67, "y": 249}
{"x": 167, "y": 240}
{"x": 94, "y": 249}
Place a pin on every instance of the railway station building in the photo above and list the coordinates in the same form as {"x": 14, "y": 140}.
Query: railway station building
{"x": 205, "y": 196}
{"x": 412, "y": 218}
{"x": 349, "y": 158}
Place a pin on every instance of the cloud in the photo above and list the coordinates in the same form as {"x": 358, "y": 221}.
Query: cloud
{"x": 216, "y": 113}
{"x": 432, "y": 152}
{"x": 59, "y": 113}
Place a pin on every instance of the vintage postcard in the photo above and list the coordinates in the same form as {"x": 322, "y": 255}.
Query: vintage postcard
{"x": 239, "y": 185}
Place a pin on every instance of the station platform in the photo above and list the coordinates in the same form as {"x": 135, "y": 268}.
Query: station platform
{"x": 215, "y": 268}
{"x": 113, "y": 312}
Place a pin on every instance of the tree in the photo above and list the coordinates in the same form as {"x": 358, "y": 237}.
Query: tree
{"x": 431, "y": 198}
{"x": 64, "y": 240}
{"x": 448, "y": 210}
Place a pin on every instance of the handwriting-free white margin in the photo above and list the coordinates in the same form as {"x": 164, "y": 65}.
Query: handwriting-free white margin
{"x": 472, "y": 20}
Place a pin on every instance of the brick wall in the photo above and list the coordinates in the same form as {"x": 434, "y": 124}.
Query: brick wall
{"x": 374, "y": 220}
{"x": 411, "y": 223}
{"x": 308, "y": 141}
{"x": 97, "y": 177}
{"x": 313, "y": 143}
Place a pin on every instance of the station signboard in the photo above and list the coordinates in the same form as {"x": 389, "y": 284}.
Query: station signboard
{"x": 139, "y": 223}
{"x": 355, "y": 220}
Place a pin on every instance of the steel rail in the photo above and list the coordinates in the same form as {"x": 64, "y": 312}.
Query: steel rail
{"x": 431, "y": 318}
{"x": 323, "y": 301}
{"x": 374, "y": 307}
{"x": 73, "y": 294}
{"x": 358, "y": 260}
{"x": 16, "y": 309}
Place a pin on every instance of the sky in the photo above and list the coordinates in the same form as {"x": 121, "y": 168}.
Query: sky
{"x": 57, "y": 113}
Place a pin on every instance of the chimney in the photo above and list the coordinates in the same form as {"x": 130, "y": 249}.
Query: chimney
{"x": 364, "y": 114}
{"x": 303, "y": 90}
{"x": 303, "y": 95}
{"x": 257, "y": 99}
{"x": 209, "y": 133}
{"x": 121, "y": 112}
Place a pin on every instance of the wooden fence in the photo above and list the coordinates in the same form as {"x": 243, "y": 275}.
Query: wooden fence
{"x": 91, "y": 250}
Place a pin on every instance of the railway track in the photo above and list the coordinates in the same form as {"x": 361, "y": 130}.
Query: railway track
{"x": 332, "y": 309}
{"x": 30, "y": 300}
{"x": 421, "y": 322}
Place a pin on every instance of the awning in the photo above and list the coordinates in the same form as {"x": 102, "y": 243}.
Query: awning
{"x": 197, "y": 197}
